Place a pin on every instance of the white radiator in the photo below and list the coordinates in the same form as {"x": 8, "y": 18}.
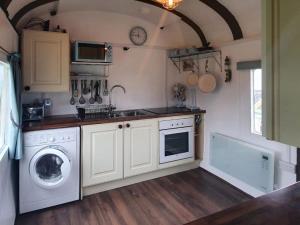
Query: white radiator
{"x": 249, "y": 163}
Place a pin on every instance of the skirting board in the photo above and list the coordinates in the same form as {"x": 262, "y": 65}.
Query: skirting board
{"x": 137, "y": 179}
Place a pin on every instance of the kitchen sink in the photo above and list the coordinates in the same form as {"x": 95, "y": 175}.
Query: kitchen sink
{"x": 128, "y": 113}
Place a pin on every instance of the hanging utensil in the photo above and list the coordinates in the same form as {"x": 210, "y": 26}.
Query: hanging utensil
{"x": 75, "y": 88}
{"x": 86, "y": 90}
{"x": 192, "y": 79}
{"x": 96, "y": 90}
{"x": 98, "y": 99}
{"x": 105, "y": 91}
{"x": 92, "y": 99}
{"x": 72, "y": 101}
{"x": 82, "y": 100}
{"x": 207, "y": 82}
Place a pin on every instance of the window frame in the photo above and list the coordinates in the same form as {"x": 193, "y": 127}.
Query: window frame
{"x": 252, "y": 112}
{"x": 3, "y": 109}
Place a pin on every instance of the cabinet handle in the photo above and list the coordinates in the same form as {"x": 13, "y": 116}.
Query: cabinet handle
{"x": 27, "y": 88}
{"x": 120, "y": 126}
{"x": 127, "y": 125}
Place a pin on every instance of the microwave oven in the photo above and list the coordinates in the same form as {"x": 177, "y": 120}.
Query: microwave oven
{"x": 92, "y": 52}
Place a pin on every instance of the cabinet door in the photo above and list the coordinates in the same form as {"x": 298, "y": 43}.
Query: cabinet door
{"x": 281, "y": 67}
{"x": 46, "y": 61}
{"x": 140, "y": 147}
{"x": 102, "y": 153}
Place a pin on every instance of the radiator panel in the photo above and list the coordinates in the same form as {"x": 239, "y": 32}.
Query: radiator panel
{"x": 249, "y": 163}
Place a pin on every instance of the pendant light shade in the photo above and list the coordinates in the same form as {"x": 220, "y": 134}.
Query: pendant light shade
{"x": 170, "y": 4}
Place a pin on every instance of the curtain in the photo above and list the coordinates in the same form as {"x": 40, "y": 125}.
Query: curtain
{"x": 14, "y": 131}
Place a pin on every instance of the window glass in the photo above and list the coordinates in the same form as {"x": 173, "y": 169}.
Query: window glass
{"x": 256, "y": 101}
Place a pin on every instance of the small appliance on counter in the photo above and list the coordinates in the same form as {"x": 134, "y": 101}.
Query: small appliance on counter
{"x": 33, "y": 112}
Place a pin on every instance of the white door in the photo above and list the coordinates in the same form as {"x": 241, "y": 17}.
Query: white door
{"x": 140, "y": 147}
{"x": 46, "y": 61}
{"x": 176, "y": 144}
{"x": 102, "y": 153}
{"x": 50, "y": 167}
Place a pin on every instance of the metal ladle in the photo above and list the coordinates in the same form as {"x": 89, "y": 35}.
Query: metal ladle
{"x": 92, "y": 99}
{"x": 82, "y": 100}
{"x": 97, "y": 94}
{"x": 72, "y": 101}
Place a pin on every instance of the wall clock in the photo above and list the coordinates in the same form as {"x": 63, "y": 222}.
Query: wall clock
{"x": 138, "y": 36}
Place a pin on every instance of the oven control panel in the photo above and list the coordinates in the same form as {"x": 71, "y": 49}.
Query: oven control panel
{"x": 173, "y": 124}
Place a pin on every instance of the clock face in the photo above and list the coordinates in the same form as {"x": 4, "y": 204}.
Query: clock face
{"x": 138, "y": 35}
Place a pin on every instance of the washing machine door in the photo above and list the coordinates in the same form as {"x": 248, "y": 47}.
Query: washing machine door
{"x": 50, "y": 167}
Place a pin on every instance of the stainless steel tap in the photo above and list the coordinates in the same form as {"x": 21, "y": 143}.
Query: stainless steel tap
{"x": 110, "y": 106}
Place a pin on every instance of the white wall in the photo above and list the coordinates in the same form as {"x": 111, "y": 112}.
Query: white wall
{"x": 8, "y": 40}
{"x": 142, "y": 70}
{"x": 228, "y": 113}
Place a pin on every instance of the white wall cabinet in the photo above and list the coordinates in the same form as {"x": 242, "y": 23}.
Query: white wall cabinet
{"x": 114, "y": 151}
{"x": 46, "y": 61}
{"x": 102, "y": 153}
{"x": 281, "y": 50}
{"x": 140, "y": 147}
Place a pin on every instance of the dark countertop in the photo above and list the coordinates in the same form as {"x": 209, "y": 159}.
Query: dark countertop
{"x": 278, "y": 208}
{"x": 65, "y": 121}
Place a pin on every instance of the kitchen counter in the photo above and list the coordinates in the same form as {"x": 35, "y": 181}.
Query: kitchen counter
{"x": 65, "y": 121}
{"x": 278, "y": 208}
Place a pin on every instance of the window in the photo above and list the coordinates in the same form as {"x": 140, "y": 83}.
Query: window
{"x": 3, "y": 113}
{"x": 256, "y": 101}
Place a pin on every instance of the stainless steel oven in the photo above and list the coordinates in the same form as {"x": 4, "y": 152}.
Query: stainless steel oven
{"x": 176, "y": 140}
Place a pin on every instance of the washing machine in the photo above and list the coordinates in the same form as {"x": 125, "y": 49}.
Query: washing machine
{"x": 50, "y": 169}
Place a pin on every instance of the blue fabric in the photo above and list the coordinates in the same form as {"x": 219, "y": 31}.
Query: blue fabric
{"x": 14, "y": 137}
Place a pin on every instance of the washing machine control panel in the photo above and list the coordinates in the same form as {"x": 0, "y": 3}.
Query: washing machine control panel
{"x": 48, "y": 138}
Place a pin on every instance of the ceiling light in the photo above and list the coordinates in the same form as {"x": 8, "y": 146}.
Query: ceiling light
{"x": 170, "y": 4}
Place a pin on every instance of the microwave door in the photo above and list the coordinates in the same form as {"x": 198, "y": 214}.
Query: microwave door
{"x": 91, "y": 52}
{"x": 176, "y": 144}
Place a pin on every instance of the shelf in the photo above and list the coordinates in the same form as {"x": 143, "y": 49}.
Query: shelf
{"x": 91, "y": 63}
{"x": 206, "y": 54}
{"x": 88, "y": 77}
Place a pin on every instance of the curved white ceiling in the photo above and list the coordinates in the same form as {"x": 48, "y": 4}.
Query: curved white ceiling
{"x": 214, "y": 27}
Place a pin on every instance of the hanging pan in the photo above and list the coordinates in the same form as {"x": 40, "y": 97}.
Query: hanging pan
{"x": 207, "y": 82}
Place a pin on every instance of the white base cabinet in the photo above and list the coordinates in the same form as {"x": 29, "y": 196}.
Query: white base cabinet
{"x": 140, "y": 147}
{"x": 102, "y": 153}
{"x": 118, "y": 150}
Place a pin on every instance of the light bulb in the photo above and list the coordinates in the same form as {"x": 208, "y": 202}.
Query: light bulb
{"x": 170, "y": 4}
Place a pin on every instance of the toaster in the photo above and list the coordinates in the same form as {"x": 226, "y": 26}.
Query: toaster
{"x": 33, "y": 112}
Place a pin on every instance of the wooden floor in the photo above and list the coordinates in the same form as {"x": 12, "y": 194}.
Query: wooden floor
{"x": 175, "y": 199}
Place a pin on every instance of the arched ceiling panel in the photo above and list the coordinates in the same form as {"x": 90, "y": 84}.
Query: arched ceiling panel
{"x": 213, "y": 25}
{"x": 185, "y": 19}
{"x": 27, "y": 8}
{"x": 247, "y": 13}
{"x": 229, "y": 18}
{"x": 127, "y": 7}
{"x": 16, "y": 5}
{"x": 36, "y": 13}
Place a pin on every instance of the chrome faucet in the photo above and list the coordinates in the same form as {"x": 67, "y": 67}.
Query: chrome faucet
{"x": 110, "y": 106}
